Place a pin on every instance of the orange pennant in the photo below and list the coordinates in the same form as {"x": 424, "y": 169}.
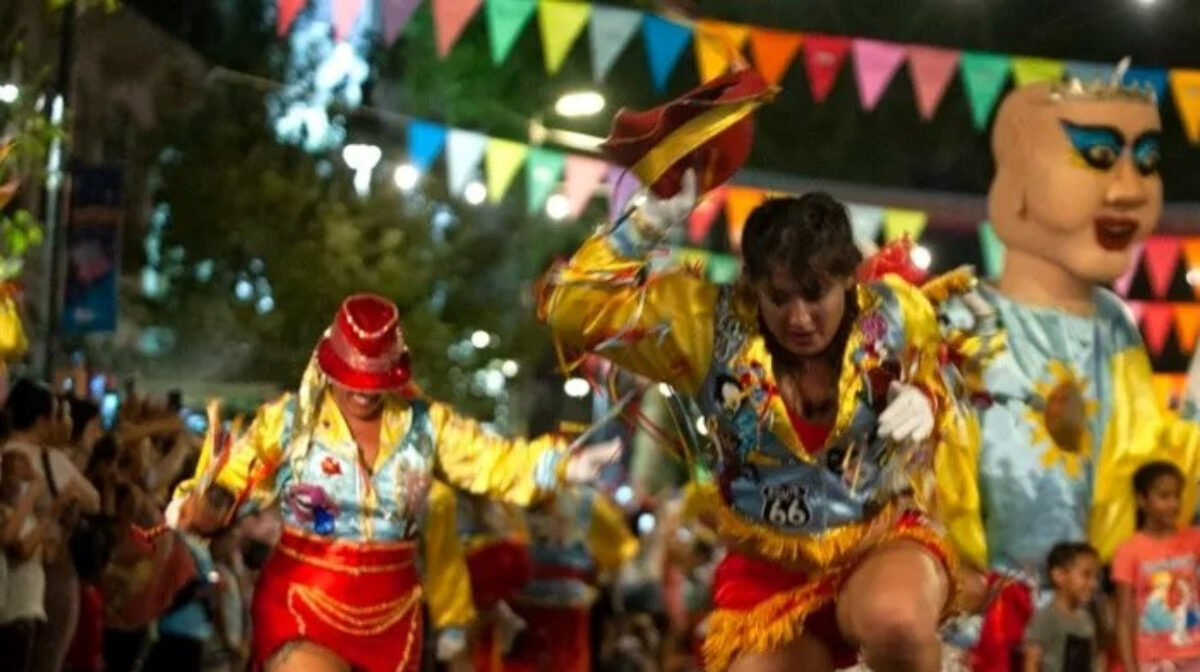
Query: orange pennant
{"x": 1187, "y": 325}
{"x": 1156, "y": 326}
{"x": 739, "y": 203}
{"x": 774, "y": 51}
{"x": 1191, "y": 257}
{"x": 718, "y": 47}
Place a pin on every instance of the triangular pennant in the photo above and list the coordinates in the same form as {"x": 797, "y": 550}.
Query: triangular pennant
{"x": 1088, "y": 72}
{"x": 1162, "y": 255}
{"x": 739, "y": 203}
{"x": 506, "y": 20}
{"x": 396, "y": 15}
{"x": 823, "y": 58}
{"x": 866, "y": 221}
{"x": 622, "y": 185}
{"x": 984, "y": 76}
{"x": 610, "y": 31}
{"x": 898, "y": 223}
{"x": 504, "y": 158}
{"x": 1185, "y": 88}
{"x": 718, "y": 44}
{"x": 1137, "y": 311}
{"x": 450, "y": 18}
{"x": 1122, "y": 283}
{"x": 774, "y": 51}
{"x": 464, "y": 151}
{"x": 1156, "y": 325}
{"x": 665, "y": 41}
{"x": 1029, "y": 70}
{"x": 560, "y": 24}
{"x": 931, "y": 70}
{"x": 722, "y": 269}
{"x": 1187, "y": 325}
{"x": 543, "y": 172}
{"x": 701, "y": 220}
{"x": 582, "y": 176}
{"x": 1149, "y": 78}
{"x": 345, "y": 13}
{"x": 425, "y": 142}
{"x": 992, "y": 249}
{"x": 1191, "y": 257}
{"x": 286, "y": 12}
{"x": 875, "y": 63}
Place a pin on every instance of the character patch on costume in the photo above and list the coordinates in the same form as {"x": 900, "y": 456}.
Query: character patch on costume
{"x": 312, "y": 504}
{"x": 786, "y": 505}
{"x": 330, "y": 466}
{"x": 1060, "y": 415}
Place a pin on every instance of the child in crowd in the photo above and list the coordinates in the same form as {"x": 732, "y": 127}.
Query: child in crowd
{"x": 1158, "y": 612}
{"x": 23, "y": 537}
{"x": 1062, "y": 635}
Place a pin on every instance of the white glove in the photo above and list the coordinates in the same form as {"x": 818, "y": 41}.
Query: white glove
{"x": 585, "y": 464}
{"x": 661, "y": 215}
{"x": 908, "y": 416}
{"x": 451, "y": 642}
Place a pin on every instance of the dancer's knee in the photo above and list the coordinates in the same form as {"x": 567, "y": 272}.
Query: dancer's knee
{"x": 302, "y": 655}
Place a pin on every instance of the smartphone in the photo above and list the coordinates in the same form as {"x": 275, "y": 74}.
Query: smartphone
{"x": 110, "y": 405}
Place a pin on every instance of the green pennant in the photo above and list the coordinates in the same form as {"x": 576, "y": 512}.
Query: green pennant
{"x": 984, "y": 76}
{"x": 992, "y": 249}
{"x": 723, "y": 269}
{"x": 506, "y": 20}
{"x": 543, "y": 172}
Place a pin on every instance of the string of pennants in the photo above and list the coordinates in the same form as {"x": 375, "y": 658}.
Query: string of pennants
{"x": 716, "y": 44}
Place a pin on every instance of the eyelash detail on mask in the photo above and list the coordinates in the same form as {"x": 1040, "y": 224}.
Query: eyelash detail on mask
{"x": 1147, "y": 155}
{"x": 1099, "y": 147}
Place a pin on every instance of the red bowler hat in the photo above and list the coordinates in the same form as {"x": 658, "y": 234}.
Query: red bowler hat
{"x": 364, "y": 349}
{"x": 709, "y": 129}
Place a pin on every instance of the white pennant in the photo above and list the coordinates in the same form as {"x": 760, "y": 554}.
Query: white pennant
{"x": 464, "y": 153}
{"x": 609, "y": 33}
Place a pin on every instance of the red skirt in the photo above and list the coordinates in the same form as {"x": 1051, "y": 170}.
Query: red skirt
{"x": 556, "y": 639}
{"x": 1005, "y": 618}
{"x": 361, "y": 601}
{"x": 499, "y": 569}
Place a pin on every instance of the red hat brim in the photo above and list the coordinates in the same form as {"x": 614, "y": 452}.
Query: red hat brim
{"x": 709, "y": 129}
{"x": 374, "y": 382}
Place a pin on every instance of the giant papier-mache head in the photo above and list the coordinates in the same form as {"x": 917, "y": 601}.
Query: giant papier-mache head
{"x": 1077, "y": 181}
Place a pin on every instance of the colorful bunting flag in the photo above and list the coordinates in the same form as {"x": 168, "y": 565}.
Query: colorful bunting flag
{"x": 992, "y": 249}
{"x": 450, "y": 18}
{"x": 739, "y": 203}
{"x": 506, "y": 20}
{"x": 866, "y": 222}
{"x": 723, "y": 269}
{"x": 1121, "y": 284}
{"x": 1152, "y": 78}
{"x": 286, "y": 12}
{"x": 560, "y": 24}
{"x": 583, "y": 176}
{"x": 464, "y": 151}
{"x": 622, "y": 186}
{"x": 718, "y": 45}
{"x": 665, "y": 41}
{"x": 504, "y": 158}
{"x": 774, "y": 51}
{"x": 931, "y": 70}
{"x": 984, "y": 76}
{"x": 1162, "y": 255}
{"x": 1185, "y": 87}
{"x": 1191, "y": 257}
{"x": 898, "y": 223}
{"x": 425, "y": 142}
{"x": 345, "y": 13}
{"x": 823, "y": 58}
{"x": 875, "y": 63}
{"x": 543, "y": 171}
{"x": 1088, "y": 72}
{"x": 1156, "y": 325}
{"x": 1137, "y": 311}
{"x": 396, "y": 15}
{"x": 701, "y": 220}
{"x": 1187, "y": 325}
{"x": 1029, "y": 70}
{"x": 610, "y": 31}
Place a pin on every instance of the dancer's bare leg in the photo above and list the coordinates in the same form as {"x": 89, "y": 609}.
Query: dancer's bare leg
{"x": 807, "y": 653}
{"x": 890, "y": 606}
{"x": 305, "y": 656}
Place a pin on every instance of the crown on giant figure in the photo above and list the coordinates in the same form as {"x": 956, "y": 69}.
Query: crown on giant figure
{"x": 1074, "y": 88}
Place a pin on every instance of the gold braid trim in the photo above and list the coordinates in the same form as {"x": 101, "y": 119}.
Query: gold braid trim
{"x": 941, "y": 288}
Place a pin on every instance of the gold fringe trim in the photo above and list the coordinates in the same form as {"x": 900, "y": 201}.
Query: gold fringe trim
{"x": 946, "y": 285}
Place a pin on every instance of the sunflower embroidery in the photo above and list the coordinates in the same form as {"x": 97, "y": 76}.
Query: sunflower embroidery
{"x": 1059, "y": 415}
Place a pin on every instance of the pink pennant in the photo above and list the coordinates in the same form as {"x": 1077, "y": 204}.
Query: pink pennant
{"x": 450, "y": 18}
{"x": 1162, "y": 256}
{"x": 345, "y": 13}
{"x": 622, "y": 185}
{"x": 701, "y": 220}
{"x": 1156, "y": 325}
{"x": 396, "y": 14}
{"x": 581, "y": 178}
{"x": 286, "y": 12}
{"x": 1137, "y": 310}
{"x": 875, "y": 63}
{"x": 931, "y": 70}
{"x": 1121, "y": 284}
{"x": 823, "y": 58}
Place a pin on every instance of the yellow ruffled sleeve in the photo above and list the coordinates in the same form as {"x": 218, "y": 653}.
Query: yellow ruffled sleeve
{"x": 517, "y": 471}
{"x": 609, "y": 538}
{"x": 447, "y": 580}
{"x": 614, "y": 299}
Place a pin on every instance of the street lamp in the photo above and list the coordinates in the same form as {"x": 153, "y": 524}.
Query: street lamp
{"x": 362, "y": 159}
{"x": 406, "y": 177}
{"x": 9, "y": 93}
{"x": 578, "y": 104}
